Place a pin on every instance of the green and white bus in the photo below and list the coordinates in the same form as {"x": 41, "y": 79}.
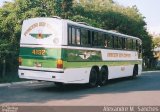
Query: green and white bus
{"x": 65, "y": 52}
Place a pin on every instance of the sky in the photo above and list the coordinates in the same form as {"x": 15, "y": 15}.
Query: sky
{"x": 1, "y": 1}
{"x": 148, "y": 8}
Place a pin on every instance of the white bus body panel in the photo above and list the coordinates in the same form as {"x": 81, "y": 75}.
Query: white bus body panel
{"x": 76, "y": 75}
{"x": 79, "y": 75}
{"x": 51, "y": 27}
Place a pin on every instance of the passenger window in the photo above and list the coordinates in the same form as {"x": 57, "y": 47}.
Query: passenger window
{"x": 119, "y": 42}
{"x": 78, "y": 37}
{"x": 69, "y": 35}
{"x": 115, "y": 42}
{"x": 95, "y": 38}
{"x": 130, "y": 44}
{"x": 89, "y": 37}
{"x": 85, "y": 37}
{"x": 140, "y": 49}
{"x": 137, "y": 45}
{"x": 108, "y": 41}
{"x": 134, "y": 44}
{"x": 124, "y": 43}
{"x": 100, "y": 39}
{"x": 73, "y": 36}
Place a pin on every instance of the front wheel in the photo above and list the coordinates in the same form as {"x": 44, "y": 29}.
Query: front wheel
{"x": 93, "y": 79}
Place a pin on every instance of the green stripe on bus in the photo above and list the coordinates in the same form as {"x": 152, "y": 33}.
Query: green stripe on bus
{"x": 50, "y": 63}
{"x": 40, "y": 53}
{"x": 81, "y": 55}
{"x": 73, "y": 58}
{"x": 90, "y": 64}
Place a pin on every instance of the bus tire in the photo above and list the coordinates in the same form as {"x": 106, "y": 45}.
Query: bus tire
{"x": 93, "y": 79}
{"x": 135, "y": 71}
{"x": 103, "y": 76}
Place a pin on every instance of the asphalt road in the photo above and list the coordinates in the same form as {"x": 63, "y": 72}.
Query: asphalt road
{"x": 144, "y": 91}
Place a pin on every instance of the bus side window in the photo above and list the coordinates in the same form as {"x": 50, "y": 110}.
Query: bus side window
{"x": 123, "y": 43}
{"x": 69, "y": 35}
{"x": 84, "y": 37}
{"x": 140, "y": 49}
{"x": 115, "y": 42}
{"x": 137, "y": 45}
{"x": 126, "y": 43}
{"x": 134, "y": 44}
{"x": 89, "y": 37}
{"x": 111, "y": 42}
{"x": 73, "y": 36}
{"x": 95, "y": 38}
{"x": 100, "y": 39}
{"x": 130, "y": 44}
{"x": 107, "y": 41}
{"x": 119, "y": 42}
{"x": 78, "y": 41}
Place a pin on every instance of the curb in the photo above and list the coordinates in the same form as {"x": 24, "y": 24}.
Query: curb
{"x": 151, "y": 71}
{"x": 5, "y": 84}
{"x": 17, "y": 83}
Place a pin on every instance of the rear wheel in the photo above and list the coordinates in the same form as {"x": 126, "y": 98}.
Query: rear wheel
{"x": 103, "y": 76}
{"x": 93, "y": 79}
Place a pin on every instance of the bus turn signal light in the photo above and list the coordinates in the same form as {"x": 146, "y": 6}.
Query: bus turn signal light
{"x": 20, "y": 61}
{"x": 59, "y": 63}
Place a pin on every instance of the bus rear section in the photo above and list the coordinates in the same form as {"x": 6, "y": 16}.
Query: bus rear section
{"x": 40, "y": 50}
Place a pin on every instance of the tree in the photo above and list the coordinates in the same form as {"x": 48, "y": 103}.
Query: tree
{"x": 156, "y": 41}
{"x": 63, "y": 8}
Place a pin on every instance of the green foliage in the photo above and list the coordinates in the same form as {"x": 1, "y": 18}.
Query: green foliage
{"x": 63, "y": 8}
{"x": 156, "y": 41}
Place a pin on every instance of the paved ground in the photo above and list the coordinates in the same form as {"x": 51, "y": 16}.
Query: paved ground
{"x": 145, "y": 90}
